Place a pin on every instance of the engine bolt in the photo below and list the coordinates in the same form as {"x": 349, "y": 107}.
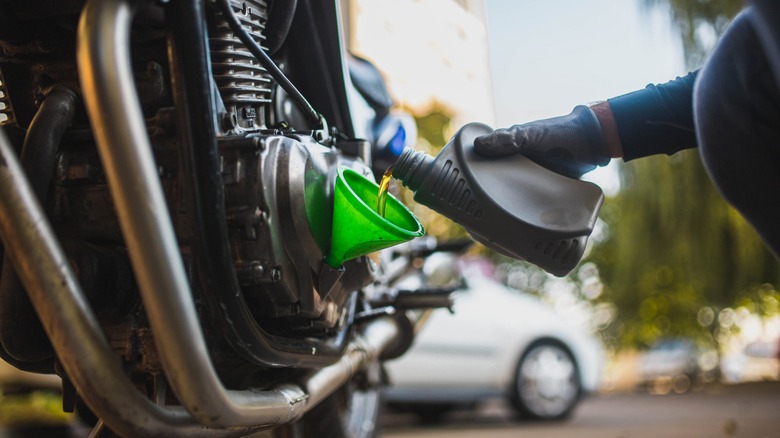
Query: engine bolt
{"x": 257, "y": 270}
{"x": 251, "y": 273}
{"x": 261, "y": 217}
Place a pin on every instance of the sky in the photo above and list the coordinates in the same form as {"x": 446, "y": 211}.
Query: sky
{"x": 548, "y": 56}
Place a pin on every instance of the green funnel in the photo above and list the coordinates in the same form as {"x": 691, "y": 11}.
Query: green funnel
{"x": 357, "y": 228}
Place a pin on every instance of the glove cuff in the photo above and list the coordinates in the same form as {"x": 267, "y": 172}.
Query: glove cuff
{"x": 599, "y": 151}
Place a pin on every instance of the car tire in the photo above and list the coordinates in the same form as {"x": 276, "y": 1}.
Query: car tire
{"x": 547, "y": 382}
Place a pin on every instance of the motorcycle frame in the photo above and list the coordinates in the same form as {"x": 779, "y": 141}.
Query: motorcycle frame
{"x": 209, "y": 409}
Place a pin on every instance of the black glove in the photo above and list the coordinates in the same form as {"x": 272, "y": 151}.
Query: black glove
{"x": 570, "y": 145}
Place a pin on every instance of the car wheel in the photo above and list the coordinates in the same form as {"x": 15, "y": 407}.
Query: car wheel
{"x": 547, "y": 382}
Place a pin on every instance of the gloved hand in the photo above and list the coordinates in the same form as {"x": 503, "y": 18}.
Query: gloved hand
{"x": 570, "y": 145}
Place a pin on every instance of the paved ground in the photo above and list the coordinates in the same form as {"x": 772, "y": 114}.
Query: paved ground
{"x": 747, "y": 410}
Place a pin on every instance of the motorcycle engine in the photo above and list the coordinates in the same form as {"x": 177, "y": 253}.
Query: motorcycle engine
{"x": 277, "y": 172}
{"x": 278, "y": 187}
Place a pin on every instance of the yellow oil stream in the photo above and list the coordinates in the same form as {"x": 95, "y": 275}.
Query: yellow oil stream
{"x": 381, "y": 197}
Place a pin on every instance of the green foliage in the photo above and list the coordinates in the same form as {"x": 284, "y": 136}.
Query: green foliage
{"x": 433, "y": 126}
{"x": 697, "y": 22}
{"x": 675, "y": 247}
{"x": 37, "y": 408}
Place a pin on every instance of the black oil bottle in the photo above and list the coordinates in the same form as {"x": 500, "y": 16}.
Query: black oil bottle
{"x": 511, "y": 205}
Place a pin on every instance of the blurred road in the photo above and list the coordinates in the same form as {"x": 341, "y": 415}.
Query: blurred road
{"x": 748, "y": 410}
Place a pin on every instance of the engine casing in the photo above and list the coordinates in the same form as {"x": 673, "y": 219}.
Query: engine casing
{"x": 279, "y": 205}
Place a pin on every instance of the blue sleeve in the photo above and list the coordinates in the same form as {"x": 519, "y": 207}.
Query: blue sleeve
{"x": 657, "y": 119}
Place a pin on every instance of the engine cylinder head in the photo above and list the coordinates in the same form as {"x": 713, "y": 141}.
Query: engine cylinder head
{"x": 243, "y": 83}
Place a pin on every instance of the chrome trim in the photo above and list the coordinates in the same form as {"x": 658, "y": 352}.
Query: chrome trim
{"x": 376, "y": 337}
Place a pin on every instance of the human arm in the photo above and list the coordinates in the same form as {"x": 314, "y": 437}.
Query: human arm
{"x": 657, "y": 119}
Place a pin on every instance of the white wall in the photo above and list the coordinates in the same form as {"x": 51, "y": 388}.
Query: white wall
{"x": 428, "y": 50}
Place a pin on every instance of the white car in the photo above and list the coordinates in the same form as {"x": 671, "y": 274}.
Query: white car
{"x": 498, "y": 343}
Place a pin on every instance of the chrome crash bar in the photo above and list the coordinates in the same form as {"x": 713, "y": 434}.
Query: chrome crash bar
{"x": 103, "y": 56}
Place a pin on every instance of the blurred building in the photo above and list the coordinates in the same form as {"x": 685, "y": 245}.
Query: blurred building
{"x": 430, "y": 51}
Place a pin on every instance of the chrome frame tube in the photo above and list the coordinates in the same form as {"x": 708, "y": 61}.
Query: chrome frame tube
{"x": 20, "y": 332}
{"x": 103, "y": 55}
{"x": 376, "y": 337}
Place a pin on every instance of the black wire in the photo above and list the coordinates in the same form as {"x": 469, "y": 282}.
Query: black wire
{"x": 268, "y": 63}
